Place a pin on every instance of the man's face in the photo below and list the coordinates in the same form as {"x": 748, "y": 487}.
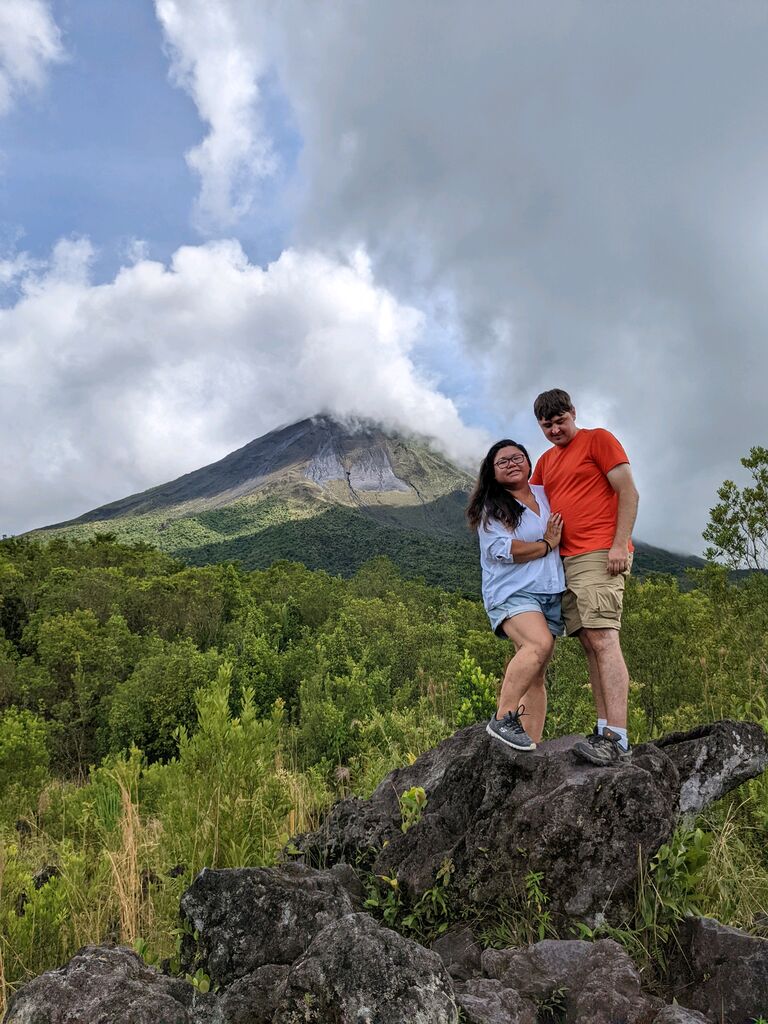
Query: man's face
{"x": 560, "y": 429}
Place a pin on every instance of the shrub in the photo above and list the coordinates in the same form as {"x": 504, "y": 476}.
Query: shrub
{"x": 24, "y": 761}
{"x": 223, "y": 801}
{"x": 477, "y": 692}
{"x": 159, "y": 696}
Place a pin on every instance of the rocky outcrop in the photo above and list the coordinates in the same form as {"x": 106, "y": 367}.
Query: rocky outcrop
{"x": 460, "y": 953}
{"x": 711, "y": 760}
{"x": 253, "y": 998}
{"x": 356, "y": 972}
{"x": 589, "y": 981}
{"x": 101, "y": 986}
{"x": 679, "y": 1015}
{"x": 487, "y": 1001}
{"x": 290, "y": 945}
{"x": 723, "y": 972}
{"x": 246, "y": 918}
{"x": 285, "y": 945}
{"x": 497, "y": 815}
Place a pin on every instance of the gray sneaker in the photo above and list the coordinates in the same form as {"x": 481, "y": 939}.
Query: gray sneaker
{"x": 509, "y": 730}
{"x": 605, "y": 749}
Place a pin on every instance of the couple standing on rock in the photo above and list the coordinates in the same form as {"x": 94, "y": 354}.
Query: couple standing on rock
{"x": 532, "y": 594}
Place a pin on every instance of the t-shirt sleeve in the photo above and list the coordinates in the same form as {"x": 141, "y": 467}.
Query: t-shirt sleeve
{"x": 607, "y": 451}
{"x": 537, "y": 477}
{"x": 495, "y": 541}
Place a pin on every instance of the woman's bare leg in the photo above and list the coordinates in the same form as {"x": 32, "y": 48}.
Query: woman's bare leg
{"x": 524, "y": 679}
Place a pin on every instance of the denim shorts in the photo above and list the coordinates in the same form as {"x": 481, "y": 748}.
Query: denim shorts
{"x": 523, "y": 601}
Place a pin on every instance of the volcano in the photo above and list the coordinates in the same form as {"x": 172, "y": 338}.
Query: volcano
{"x": 329, "y": 494}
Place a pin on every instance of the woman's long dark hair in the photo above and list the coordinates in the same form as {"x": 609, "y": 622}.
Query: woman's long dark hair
{"x": 489, "y": 500}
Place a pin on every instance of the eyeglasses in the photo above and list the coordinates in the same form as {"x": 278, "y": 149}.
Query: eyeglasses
{"x": 517, "y": 460}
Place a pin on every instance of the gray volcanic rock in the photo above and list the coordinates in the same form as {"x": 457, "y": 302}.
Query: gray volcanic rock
{"x": 460, "y": 953}
{"x": 249, "y": 917}
{"x": 252, "y": 999}
{"x": 712, "y": 760}
{"x": 487, "y": 1001}
{"x": 680, "y": 1015}
{"x": 542, "y": 967}
{"x": 371, "y": 470}
{"x": 366, "y": 469}
{"x": 721, "y": 971}
{"x": 594, "y": 982}
{"x": 356, "y": 972}
{"x": 498, "y": 814}
{"x": 325, "y": 465}
{"x": 103, "y": 985}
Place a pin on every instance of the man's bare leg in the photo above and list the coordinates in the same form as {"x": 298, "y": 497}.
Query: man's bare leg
{"x": 594, "y": 673}
{"x": 612, "y": 673}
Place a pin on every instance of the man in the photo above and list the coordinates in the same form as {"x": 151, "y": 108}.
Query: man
{"x": 588, "y": 480}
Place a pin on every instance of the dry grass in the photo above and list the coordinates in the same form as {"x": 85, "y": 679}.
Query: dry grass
{"x": 735, "y": 881}
{"x": 124, "y": 865}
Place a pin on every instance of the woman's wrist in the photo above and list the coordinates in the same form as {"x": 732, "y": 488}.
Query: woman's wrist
{"x": 543, "y": 540}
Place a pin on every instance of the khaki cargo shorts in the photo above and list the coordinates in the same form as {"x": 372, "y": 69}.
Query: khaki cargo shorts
{"x": 593, "y": 598}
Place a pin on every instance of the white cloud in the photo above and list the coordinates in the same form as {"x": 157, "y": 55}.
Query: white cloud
{"x": 589, "y": 183}
{"x": 16, "y": 267}
{"x": 167, "y": 368}
{"x": 29, "y": 42}
{"x": 217, "y": 53}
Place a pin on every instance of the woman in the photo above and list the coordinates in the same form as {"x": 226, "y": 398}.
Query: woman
{"x": 522, "y": 583}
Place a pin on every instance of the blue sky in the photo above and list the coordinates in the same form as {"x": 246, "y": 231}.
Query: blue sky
{"x": 219, "y": 218}
{"x": 100, "y": 152}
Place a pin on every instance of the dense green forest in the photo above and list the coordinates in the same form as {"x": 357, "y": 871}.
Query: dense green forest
{"x": 341, "y": 540}
{"x": 156, "y": 718}
{"x": 430, "y": 542}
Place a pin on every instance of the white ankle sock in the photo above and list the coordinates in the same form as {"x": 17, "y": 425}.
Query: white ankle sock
{"x": 601, "y": 724}
{"x": 622, "y": 734}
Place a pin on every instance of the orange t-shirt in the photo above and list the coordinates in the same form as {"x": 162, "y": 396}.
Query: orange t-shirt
{"x": 577, "y": 487}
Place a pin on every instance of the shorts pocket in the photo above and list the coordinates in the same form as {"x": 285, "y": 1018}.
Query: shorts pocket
{"x": 600, "y": 607}
{"x": 607, "y": 601}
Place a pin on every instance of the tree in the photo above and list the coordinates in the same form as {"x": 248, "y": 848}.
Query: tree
{"x": 738, "y": 524}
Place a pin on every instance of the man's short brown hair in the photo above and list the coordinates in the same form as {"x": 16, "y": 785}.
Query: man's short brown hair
{"x": 552, "y": 403}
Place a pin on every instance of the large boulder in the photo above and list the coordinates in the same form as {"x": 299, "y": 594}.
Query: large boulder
{"x": 497, "y": 814}
{"x": 246, "y": 918}
{"x": 721, "y": 971}
{"x": 251, "y": 999}
{"x": 680, "y": 1015}
{"x": 460, "y": 953}
{"x": 102, "y": 985}
{"x": 487, "y": 1001}
{"x": 356, "y": 972}
{"x": 711, "y": 760}
{"x": 591, "y": 982}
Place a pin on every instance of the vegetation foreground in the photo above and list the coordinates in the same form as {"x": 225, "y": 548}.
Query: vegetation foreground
{"x": 155, "y": 719}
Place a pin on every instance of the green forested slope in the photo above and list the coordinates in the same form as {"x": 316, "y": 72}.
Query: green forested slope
{"x": 156, "y": 718}
{"x": 429, "y": 541}
{"x": 323, "y": 494}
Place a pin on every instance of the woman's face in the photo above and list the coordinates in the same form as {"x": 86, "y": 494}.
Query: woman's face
{"x": 510, "y": 466}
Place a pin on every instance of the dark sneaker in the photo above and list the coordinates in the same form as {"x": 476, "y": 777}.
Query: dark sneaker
{"x": 605, "y": 749}
{"x": 509, "y": 730}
